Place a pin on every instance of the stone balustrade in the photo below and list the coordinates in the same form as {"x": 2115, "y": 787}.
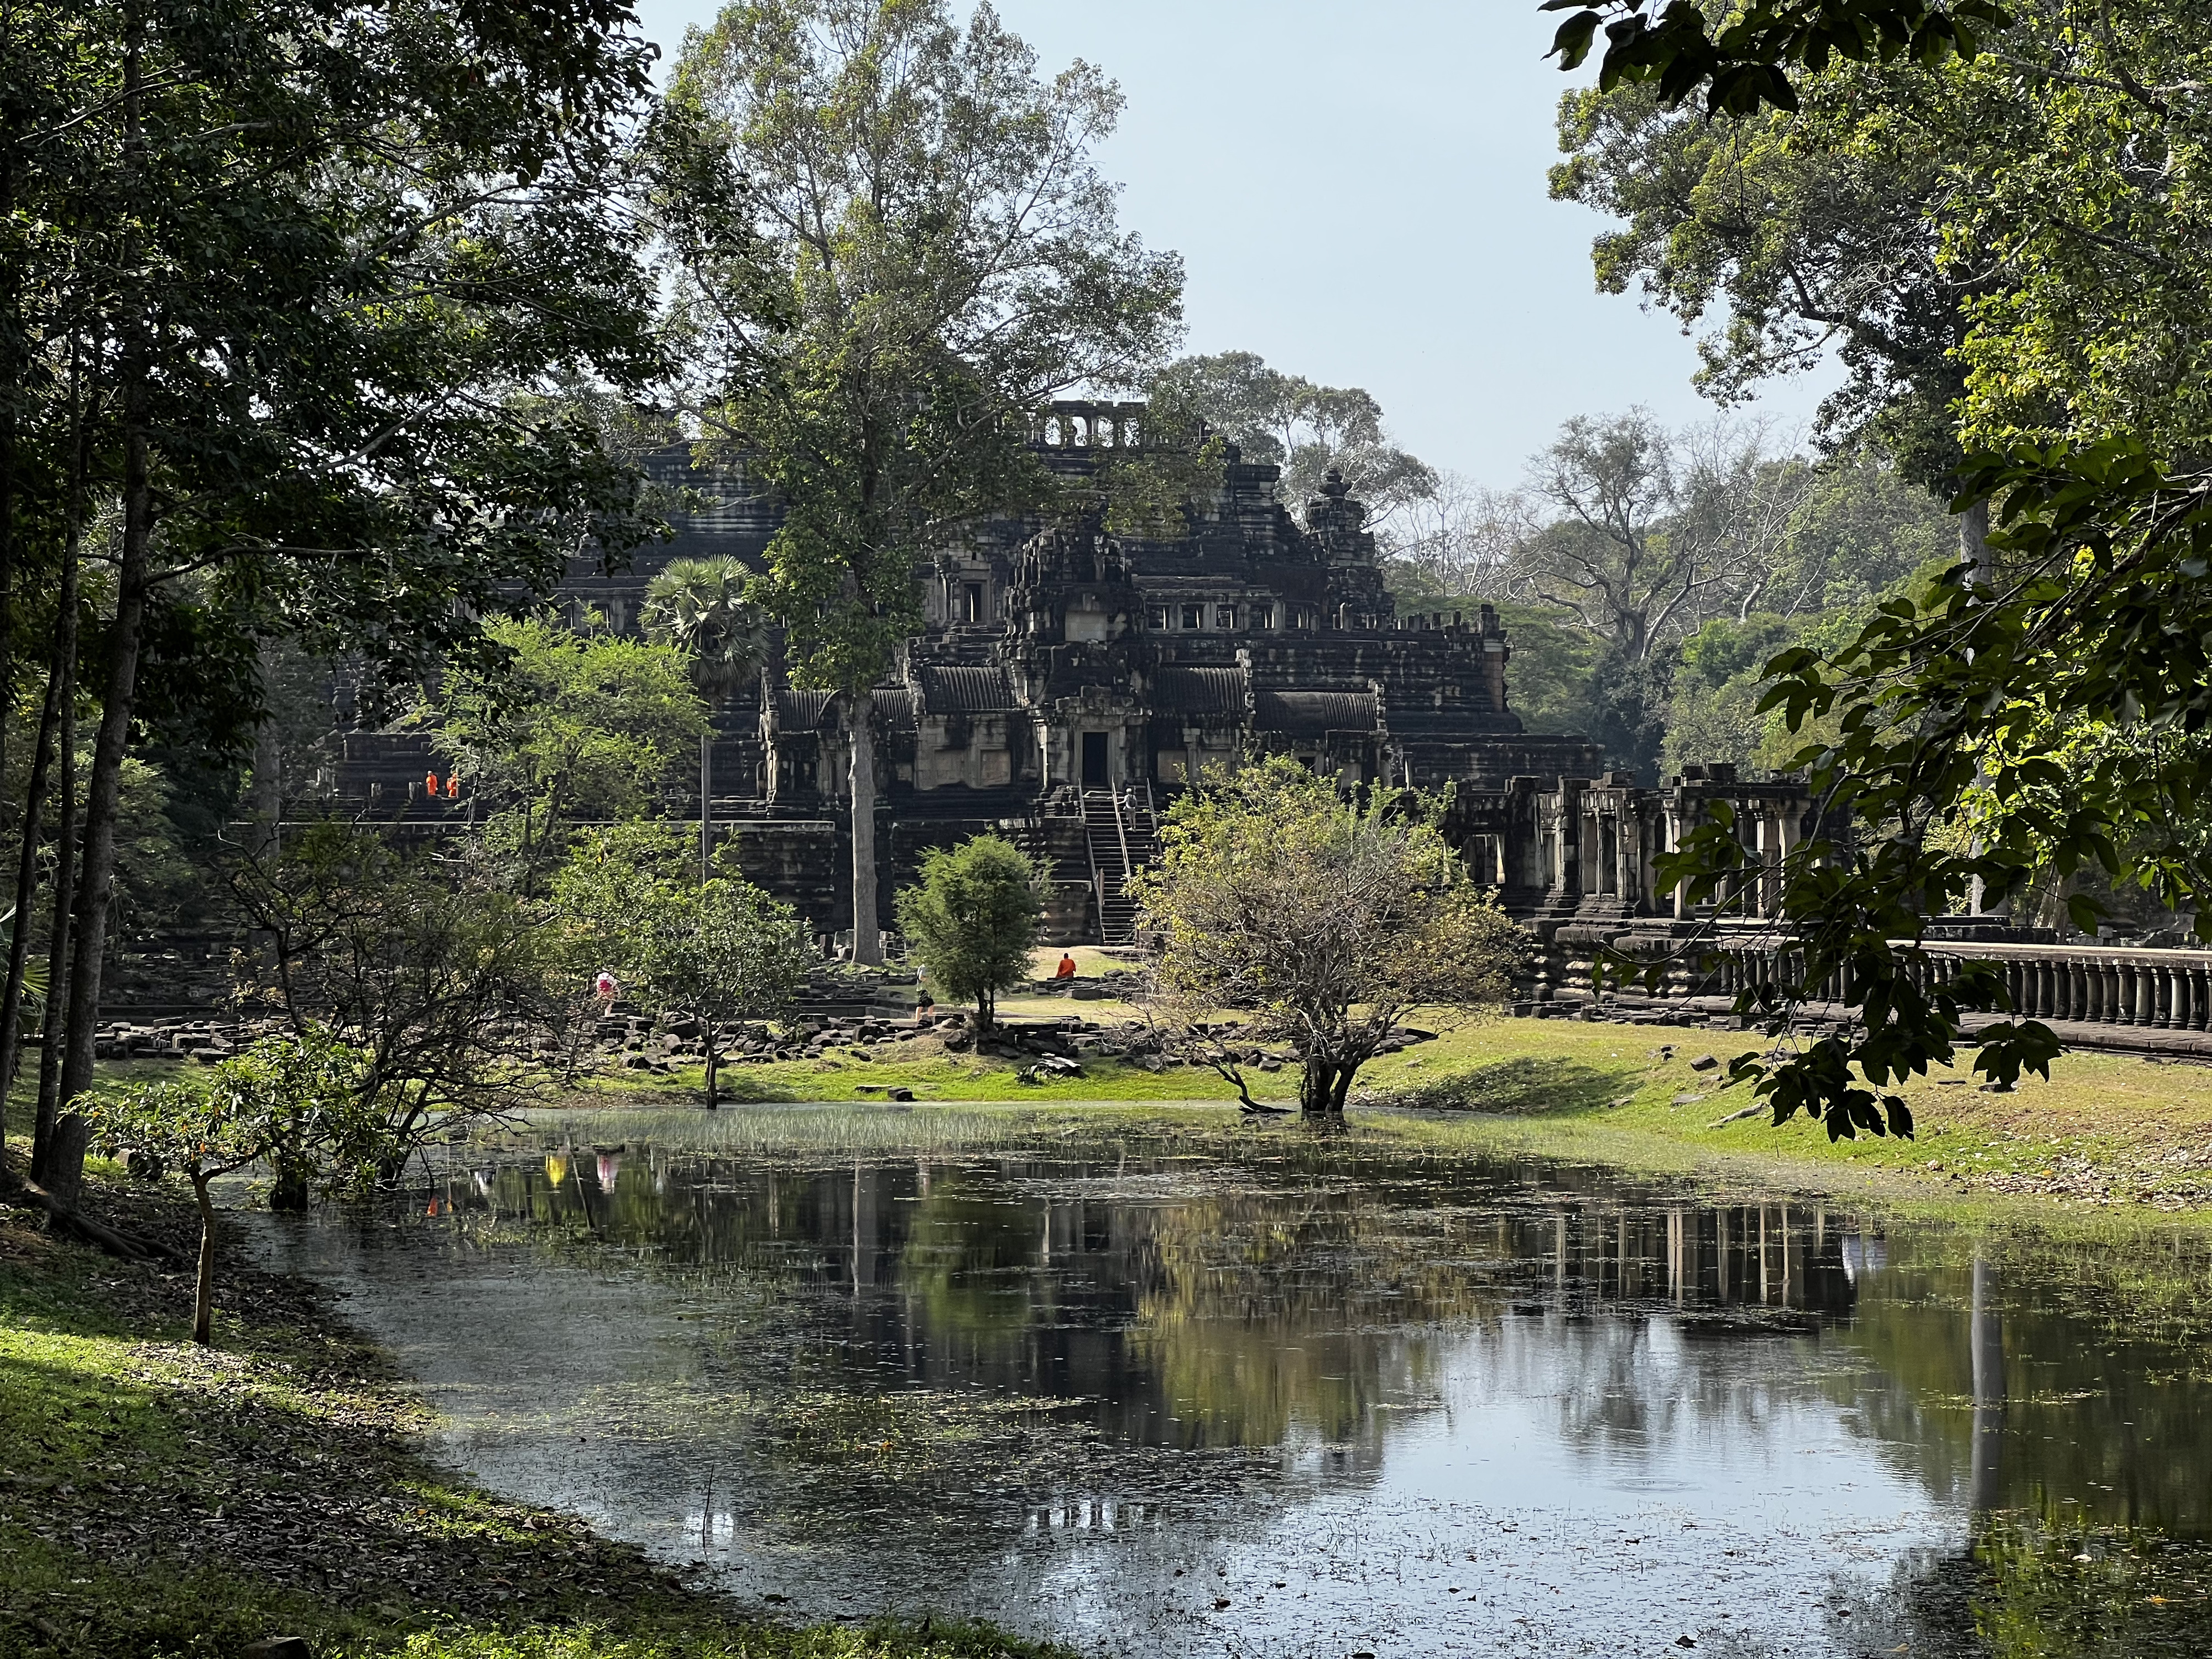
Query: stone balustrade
{"x": 2079, "y": 984}
{"x": 2090, "y": 984}
{"x": 2094, "y": 996}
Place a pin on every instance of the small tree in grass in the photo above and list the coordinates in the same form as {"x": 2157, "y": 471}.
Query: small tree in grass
{"x": 720, "y": 952}
{"x": 296, "y": 1096}
{"x": 1322, "y": 922}
{"x": 973, "y": 919}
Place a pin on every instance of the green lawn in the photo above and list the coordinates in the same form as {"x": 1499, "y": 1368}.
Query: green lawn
{"x": 2105, "y": 1130}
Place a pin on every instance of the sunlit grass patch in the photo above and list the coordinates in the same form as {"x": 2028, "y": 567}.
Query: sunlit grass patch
{"x": 800, "y": 1128}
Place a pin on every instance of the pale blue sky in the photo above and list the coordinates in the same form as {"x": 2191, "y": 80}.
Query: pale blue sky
{"x": 1357, "y": 192}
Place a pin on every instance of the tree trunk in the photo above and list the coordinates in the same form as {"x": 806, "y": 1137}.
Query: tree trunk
{"x": 26, "y": 892}
{"x": 986, "y": 1010}
{"x": 103, "y": 796}
{"x": 203, "y": 1295}
{"x": 1974, "y": 552}
{"x": 1974, "y": 544}
{"x": 72, "y": 1223}
{"x": 1343, "y": 1088}
{"x": 289, "y": 1191}
{"x": 867, "y": 937}
{"x": 268, "y": 793}
{"x": 1319, "y": 1093}
{"x": 60, "y": 938}
{"x": 714, "y": 1070}
{"x": 53, "y": 717}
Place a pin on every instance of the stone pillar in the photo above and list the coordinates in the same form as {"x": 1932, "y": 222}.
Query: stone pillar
{"x": 1628, "y": 847}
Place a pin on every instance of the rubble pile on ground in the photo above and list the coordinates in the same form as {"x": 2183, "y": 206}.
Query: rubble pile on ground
{"x": 632, "y": 1042}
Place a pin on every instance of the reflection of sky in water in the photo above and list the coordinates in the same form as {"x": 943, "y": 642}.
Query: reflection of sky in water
{"x": 1455, "y": 1409}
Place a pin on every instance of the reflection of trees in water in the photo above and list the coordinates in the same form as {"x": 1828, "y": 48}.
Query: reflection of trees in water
{"x": 1275, "y": 1300}
{"x": 2007, "y": 1375}
{"x": 1275, "y": 1291}
{"x": 2021, "y": 1589}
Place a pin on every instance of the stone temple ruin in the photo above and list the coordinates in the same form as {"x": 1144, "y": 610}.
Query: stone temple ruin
{"x": 1067, "y": 684}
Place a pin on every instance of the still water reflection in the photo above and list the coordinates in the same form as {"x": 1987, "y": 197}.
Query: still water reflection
{"x": 1257, "y": 1392}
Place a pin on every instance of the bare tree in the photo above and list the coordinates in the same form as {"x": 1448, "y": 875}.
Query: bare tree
{"x": 1740, "y": 488}
{"x": 1462, "y": 538}
{"x": 1651, "y": 533}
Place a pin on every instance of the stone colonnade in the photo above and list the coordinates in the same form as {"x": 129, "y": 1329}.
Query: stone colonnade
{"x": 1585, "y": 847}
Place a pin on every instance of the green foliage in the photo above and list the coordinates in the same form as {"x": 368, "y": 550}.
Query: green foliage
{"x": 1308, "y": 430}
{"x": 720, "y": 952}
{"x": 611, "y": 876}
{"x": 368, "y": 484}
{"x": 699, "y": 606}
{"x": 429, "y": 964}
{"x": 571, "y": 724}
{"x": 2031, "y": 721}
{"x": 1862, "y": 529}
{"x": 2072, "y": 150}
{"x": 927, "y": 256}
{"x": 1712, "y": 707}
{"x": 1741, "y": 57}
{"x": 1549, "y": 682}
{"x": 972, "y": 920}
{"x": 1322, "y": 922}
{"x": 296, "y": 1100}
{"x": 1803, "y": 234}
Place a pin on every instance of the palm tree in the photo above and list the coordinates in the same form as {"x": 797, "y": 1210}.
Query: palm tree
{"x": 699, "y": 604}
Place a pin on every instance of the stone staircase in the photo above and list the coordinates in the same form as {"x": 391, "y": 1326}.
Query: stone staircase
{"x": 1124, "y": 837}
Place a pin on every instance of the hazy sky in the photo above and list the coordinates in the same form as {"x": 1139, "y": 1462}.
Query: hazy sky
{"x": 1357, "y": 192}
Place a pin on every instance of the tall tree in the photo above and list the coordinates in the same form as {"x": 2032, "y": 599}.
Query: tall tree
{"x": 920, "y": 257}
{"x": 306, "y": 252}
{"x": 1652, "y": 533}
{"x": 1949, "y": 723}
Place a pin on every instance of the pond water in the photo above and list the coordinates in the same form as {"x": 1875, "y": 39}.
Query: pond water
{"x": 1205, "y": 1389}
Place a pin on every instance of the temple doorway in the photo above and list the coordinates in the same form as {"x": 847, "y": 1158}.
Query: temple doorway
{"x": 1094, "y": 760}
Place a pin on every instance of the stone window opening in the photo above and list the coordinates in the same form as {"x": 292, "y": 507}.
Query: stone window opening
{"x": 1225, "y": 619}
{"x": 1263, "y": 616}
{"x": 1194, "y": 617}
{"x": 1156, "y": 617}
{"x": 971, "y": 602}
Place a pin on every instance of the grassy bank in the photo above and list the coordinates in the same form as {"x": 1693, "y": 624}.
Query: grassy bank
{"x": 159, "y": 1501}
{"x": 2107, "y": 1130}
